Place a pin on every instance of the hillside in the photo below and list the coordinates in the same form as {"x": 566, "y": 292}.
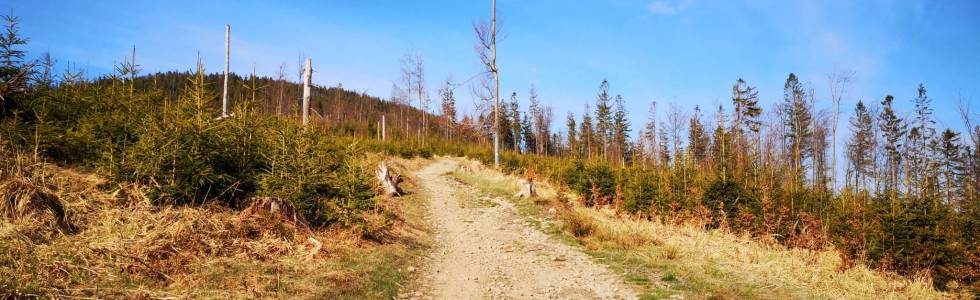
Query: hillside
{"x": 110, "y": 241}
{"x": 133, "y": 185}
{"x": 66, "y": 234}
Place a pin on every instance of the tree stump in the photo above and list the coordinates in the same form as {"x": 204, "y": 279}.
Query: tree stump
{"x": 276, "y": 208}
{"x": 388, "y": 180}
{"x": 527, "y": 188}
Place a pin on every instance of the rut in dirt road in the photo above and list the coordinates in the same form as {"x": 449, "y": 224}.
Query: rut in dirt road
{"x": 487, "y": 251}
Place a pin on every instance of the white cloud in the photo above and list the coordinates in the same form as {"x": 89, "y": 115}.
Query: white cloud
{"x": 669, "y": 7}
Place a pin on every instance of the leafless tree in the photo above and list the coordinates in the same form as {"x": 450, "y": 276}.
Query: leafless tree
{"x": 413, "y": 77}
{"x": 281, "y": 78}
{"x": 839, "y": 81}
{"x": 486, "y": 48}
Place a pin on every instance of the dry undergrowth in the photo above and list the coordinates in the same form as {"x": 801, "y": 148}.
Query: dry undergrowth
{"x": 711, "y": 263}
{"x": 66, "y": 234}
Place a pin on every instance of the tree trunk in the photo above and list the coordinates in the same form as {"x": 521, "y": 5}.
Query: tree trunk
{"x": 224, "y": 94}
{"x": 307, "y": 77}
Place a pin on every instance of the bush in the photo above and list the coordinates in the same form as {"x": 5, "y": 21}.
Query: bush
{"x": 914, "y": 239}
{"x": 592, "y": 181}
{"x": 641, "y": 192}
{"x": 728, "y": 196}
{"x": 184, "y": 152}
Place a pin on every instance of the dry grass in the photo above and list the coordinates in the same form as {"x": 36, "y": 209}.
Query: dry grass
{"x": 109, "y": 242}
{"x": 686, "y": 259}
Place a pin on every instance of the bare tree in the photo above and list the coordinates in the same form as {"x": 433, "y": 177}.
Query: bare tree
{"x": 839, "y": 80}
{"x": 413, "y": 77}
{"x": 486, "y": 48}
{"x": 448, "y": 106}
{"x": 677, "y": 120}
{"x": 400, "y": 96}
{"x": 483, "y": 93}
{"x": 281, "y": 78}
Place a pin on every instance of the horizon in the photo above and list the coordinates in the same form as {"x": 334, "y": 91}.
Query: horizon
{"x": 686, "y": 53}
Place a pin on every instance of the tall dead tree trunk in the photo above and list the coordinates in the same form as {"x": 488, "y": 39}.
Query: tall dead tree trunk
{"x": 224, "y": 94}
{"x": 838, "y": 86}
{"x": 496, "y": 93}
{"x": 307, "y": 77}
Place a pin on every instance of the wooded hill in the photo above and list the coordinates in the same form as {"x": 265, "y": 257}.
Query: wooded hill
{"x": 908, "y": 202}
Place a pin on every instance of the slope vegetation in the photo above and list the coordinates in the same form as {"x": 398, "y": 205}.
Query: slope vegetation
{"x": 680, "y": 258}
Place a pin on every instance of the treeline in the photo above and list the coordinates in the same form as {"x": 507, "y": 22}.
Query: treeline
{"x": 909, "y": 200}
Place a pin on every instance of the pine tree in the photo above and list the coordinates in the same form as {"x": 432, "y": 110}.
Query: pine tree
{"x": 448, "y": 107}
{"x": 621, "y": 130}
{"x": 506, "y": 127}
{"x": 721, "y": 146}
{"x": 11, "y": 56}
{"x": 535, "y": 111}
{"x": 697, "y": 137}
{"x": 922, "y": 147}
{"x": 798, "y": 119}
{"x": 664, "y": 147}
{"x": 951, "y": 167}
{"x": 745, "y": 99}
{"x": 893, "y": 130}
{"x": 530, "y": 141}
{"x": 603, "y": 119}
{"x": 14, "y": 71}
{"x": 515, "y": 122}
{"x": 587, "y": 134}
{"x": 862, "y": 144}
{"x": 573, "y": 144}
{"x": 650, "y": 132}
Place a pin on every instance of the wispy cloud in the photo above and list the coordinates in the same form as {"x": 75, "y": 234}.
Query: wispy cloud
{"x": 669, "y": 7}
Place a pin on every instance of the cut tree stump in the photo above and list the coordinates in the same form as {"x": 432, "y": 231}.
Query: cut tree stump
{"x": 388, "y": 180}
{"x": 472, "y": 167}
{"x": 276, "y": 208}
{"x": 527, "y": 188}
{"x": 283, "y": 212}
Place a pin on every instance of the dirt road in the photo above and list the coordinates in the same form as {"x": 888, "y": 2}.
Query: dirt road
{"x": 486, "y": 251}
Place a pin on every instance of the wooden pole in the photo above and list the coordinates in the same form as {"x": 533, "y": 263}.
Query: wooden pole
{"x": 307, "y": 77}
{"x": 224, "y": 94}
{"x": 383, "y": 131}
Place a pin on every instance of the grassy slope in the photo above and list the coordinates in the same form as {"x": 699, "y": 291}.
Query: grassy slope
{"x": 125, "y": 248}
{"x": 662, "y": 260}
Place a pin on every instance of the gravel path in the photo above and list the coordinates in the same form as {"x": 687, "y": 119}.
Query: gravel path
{"x": 488, "y": 252}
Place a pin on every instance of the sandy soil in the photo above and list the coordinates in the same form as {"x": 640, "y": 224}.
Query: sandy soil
{"x": 485, "y": 250}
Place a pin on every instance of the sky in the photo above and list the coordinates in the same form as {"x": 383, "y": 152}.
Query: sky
{"x": 675, "y": 52}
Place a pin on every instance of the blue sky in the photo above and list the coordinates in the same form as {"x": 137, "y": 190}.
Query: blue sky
{"x": 687, "y": 52}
